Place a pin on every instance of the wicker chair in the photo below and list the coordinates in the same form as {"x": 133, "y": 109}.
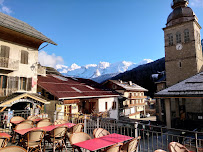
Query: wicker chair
{"x": 57, "y": 137}
{"x": 114, "y": 148}
{"x": 99, "y": 132}
{"x": 74, "y": 129}
{"x": 3, "y": 141}
{"x": 177, "y": 147}
{"x": 33, "y": 117}
{"x": 60, "y": 121}
{"x": 44, "y": 123}
{"x": 13, "y": 149}
{"x": 33, "y": 140}
{"x": 159, "y": 150}
{"x": 27, "y": 121}
{"x": 45, "y": 120}
{"x": 19, "y": 127}
{"x": 17, "y": 118}
{"x": 78, "y": 137}
{"x": 131, "y": 146}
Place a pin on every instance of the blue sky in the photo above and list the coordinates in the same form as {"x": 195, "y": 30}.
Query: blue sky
{"x": 90, "y": 31}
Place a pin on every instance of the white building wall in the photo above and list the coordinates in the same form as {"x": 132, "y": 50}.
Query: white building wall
{"x": 101, "y": 106}
{"x": 24, "y": 70}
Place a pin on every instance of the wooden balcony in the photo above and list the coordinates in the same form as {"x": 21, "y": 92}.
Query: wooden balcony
{"x": 6, "y": 92}
{"x": 137, "y": 97}
{"x": 9, "y": 64}
{"x": 136, "y": 104}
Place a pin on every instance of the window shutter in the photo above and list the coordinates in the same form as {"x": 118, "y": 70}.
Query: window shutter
{"x": 29, "y": 84}
{"x": 4, "y": 51}
{"x": 24, "y": 57}
{"x": 16, "y": 82}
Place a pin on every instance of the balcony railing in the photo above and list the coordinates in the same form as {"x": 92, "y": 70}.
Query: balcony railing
{"x": 8, "y": 64}
{"x": 153, "y": 136}
{"x": 6, "y": 91}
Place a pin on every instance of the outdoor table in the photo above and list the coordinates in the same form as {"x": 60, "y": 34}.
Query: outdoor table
{"x": 3, "y": 134}
{"x": 46, "y": 128}
{"x": 102, "y": 142}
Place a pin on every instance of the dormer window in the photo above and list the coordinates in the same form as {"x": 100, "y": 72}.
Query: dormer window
{"x": 24, "y": 57}
{"x": 178, "y": 37}
{"x": 186, "y": 35}
{"x": 170, "y": 39}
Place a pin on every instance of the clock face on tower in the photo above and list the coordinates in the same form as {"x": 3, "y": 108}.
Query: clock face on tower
{"x": 179, "y": 47}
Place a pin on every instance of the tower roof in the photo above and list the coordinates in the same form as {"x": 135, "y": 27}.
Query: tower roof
{"x": 179, "y": 3}
{"x": 181, "y": 13}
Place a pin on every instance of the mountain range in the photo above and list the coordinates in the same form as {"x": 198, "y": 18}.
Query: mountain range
{"x": 99, "y": 72}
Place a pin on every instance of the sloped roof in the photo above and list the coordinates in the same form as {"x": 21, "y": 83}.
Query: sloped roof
{"x": 127, "y": 86}
{"x": 70, "y": 88}
{"x": 191, "y": 87}
{"x": 22, "y": 27}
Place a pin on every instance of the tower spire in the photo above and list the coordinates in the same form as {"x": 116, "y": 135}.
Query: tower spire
{"x": 179, "y": 3}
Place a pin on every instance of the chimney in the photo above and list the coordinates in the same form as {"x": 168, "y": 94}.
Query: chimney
{"x": 130, "y": 82}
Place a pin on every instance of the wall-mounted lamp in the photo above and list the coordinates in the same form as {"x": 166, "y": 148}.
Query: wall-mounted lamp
{"x": 32, "y": 67}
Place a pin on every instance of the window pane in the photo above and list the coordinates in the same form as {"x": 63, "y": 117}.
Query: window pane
{"x": 170, "y": 39}
{"x": 23, "y": 83}
{"x": 178, "y": 37}
{"x": 186, "y": 36}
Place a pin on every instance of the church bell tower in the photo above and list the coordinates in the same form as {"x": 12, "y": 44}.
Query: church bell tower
{"x": 183, "y": 50}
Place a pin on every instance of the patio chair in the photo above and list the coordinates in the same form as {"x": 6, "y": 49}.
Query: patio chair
{"x": 99, "y": 132}
{"x": 131, "y": 146}
{"x": 17, "y": 118}
{"x": 3, "y": 141}
{"x": 74, "y": 129}
{"x": 33, "y": 117}
{"x": 78, "y": 137}
{"x": 44, "y": 123}
{"x": 177, "y": 147}
{"x": 27, "y": 121}
{"x": 60, "y": 121}
{"x": 13, "y": 149}
{"x": 19, "y": 127}
{"x": 57, "y": 137}
{"x": 159, "y": 150}
{"x": 33, "y": 140}
{"x": 113, "y": 148}
{"x": 45, "y": 120}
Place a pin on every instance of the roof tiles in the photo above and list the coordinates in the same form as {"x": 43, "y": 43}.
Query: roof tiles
{"x": 22, "y": 27}
{"x": 70, "y": 89}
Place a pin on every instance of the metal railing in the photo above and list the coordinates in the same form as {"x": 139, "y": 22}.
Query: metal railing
{"x": 8, "y": 63}
{"x": 152, "y": 136}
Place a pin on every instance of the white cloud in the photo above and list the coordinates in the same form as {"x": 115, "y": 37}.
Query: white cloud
{"x": 196, "y": 3}
{"x": 49, "y": 60}
{"x": 4, "y": 8}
